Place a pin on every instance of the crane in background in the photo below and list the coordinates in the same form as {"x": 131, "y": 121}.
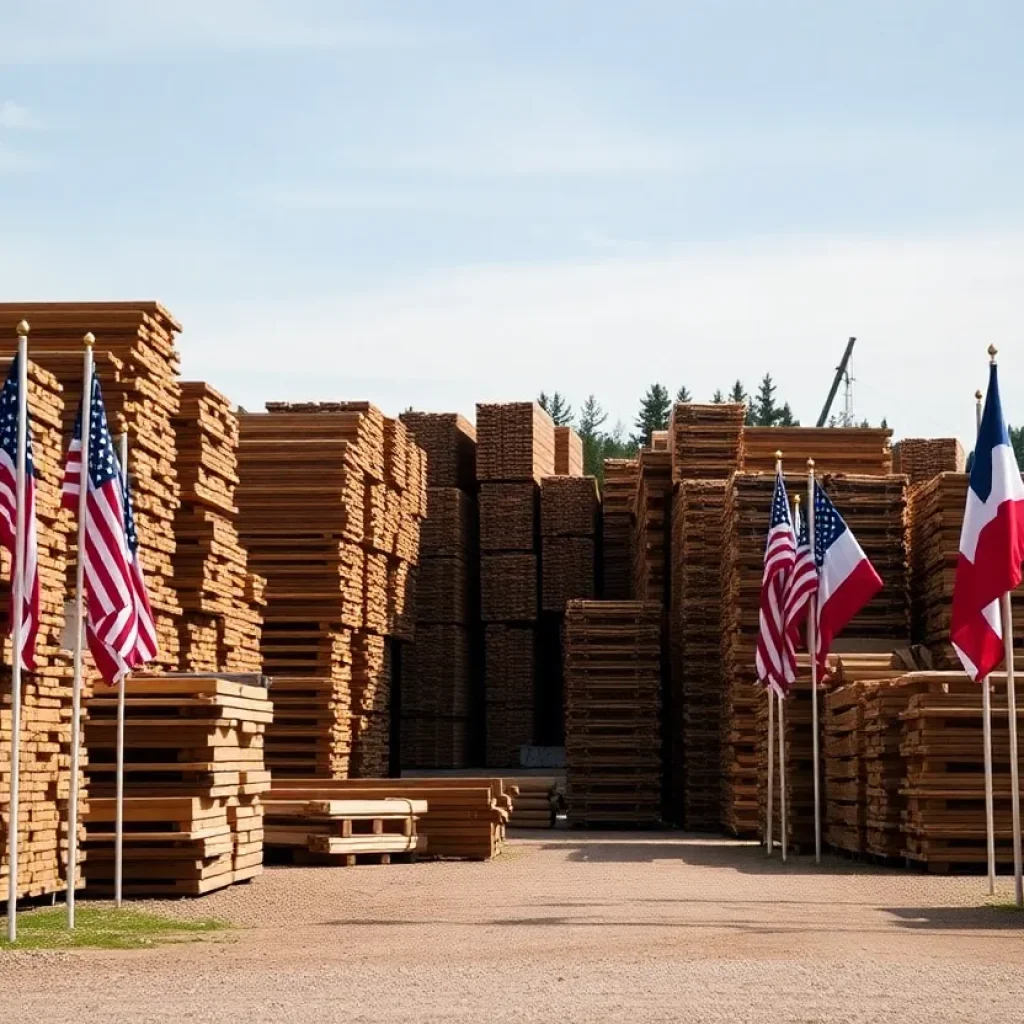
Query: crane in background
{"x": 842, "y": 372}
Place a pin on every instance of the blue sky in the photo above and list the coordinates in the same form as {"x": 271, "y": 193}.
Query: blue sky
{"x": 441, "y": 203}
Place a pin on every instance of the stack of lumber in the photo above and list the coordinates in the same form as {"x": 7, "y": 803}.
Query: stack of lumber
{"x": 220, "y": 598}
{"x": 921, "y": 458}
{"x": 568, "y": 521}
{"x": 344, "y": 832}
{"x": 193, "y": 776}
{"x": 705, "y": 441}
{"x": 651, "y": 513}
{"x": 449, "y": 442}
{"x": 45, "y": 734}
{"x": 618, "y": 496}
{"x": 515, "y": 451}
{"x": 944, "y": 819}
{"x": 331, "y": 499}
{"x": 464, "y": 818}
{"x": 534, "y": 803}
{"x": 613, "y": 743}
{"x": 862, "y": 451}
{"x": 137, "y": 365}
{"x": 568, "y": 452}
{"x": 846, "y": 800}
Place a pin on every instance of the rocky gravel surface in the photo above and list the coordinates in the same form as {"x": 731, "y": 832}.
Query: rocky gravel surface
{"x": 563, "y": 927}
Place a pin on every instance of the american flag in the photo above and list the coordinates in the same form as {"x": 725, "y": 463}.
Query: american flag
{"x": 802, "y": 584}
{"x": 10, "y": 398}
{"x": 118, "y": 618}
{"x": 775, "y": 660}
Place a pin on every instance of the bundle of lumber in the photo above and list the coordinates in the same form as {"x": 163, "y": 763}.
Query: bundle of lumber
{"x": 534, "y": 799}
{"x": 921, "y": 458}
{"x": 515, "y": 441}
{"x": 618, "y": 497}
{"x": 705, "y": 441}
{"x": 651, "y": 515}
{"x": 568, "y": 452}
{"x": 449, "y": 442}
{"x": 331, "y": 498}
{"x": 464, "y": 817}
{"x": 846, "y": 799}
{"x": 509, "y": 673}
{"x": 193, "y": 776}
{"x": 137, "y": 366}
{"x": 612, "y": 712}
{"x": 45, "y": 734}
{"x": 220, "y": 598}
{"x": 944, "y": 819}
{"x": 862, "y": 451}
{"x": 568, "y": 520}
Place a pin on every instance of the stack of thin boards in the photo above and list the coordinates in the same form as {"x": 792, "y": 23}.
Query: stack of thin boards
{"x": 613, "y": 743}
{"x": 533, "y": 802}
{"x": 651, "y": 512}
{"x": 137, "y": 365}
{"x": 220, "y": 598}
{"x": 618, "y": 496}
{"x": 922, "y": 458}
{"x": 45, "y": 734}
{"x": 515, "y": 450}
{"x": 568, "y": 452}
{"x": 193, "y": 776}
{"x": 437, "y": 700}
{"x": 331, "y": 499}
{"x": 705, "y": 441}
{"x": 860, "y": 451}
{"x": 874, "y": 509}
{"x": 846, "y": 805}
{"x": 465, "y": 817}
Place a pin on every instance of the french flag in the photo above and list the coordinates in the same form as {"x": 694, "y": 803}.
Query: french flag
{"x": 991, "y": 542}
{"x": 846, "y": 578}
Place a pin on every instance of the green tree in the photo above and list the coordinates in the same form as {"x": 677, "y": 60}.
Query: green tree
{"x": 738, "y": 394}
{"x": 1017, "y": 440}
{"x": 683, "y": 395}
{"x": 765, "y": 411}
{"x": 591, "y": 419}
{"x": 718, "y": 398}
{"x": 556, "y": 407}
{"x": 653, "y": 415}
{"x": 785, "y": 417}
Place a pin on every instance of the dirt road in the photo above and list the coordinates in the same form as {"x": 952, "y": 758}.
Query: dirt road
{"x": 563, "y": 927}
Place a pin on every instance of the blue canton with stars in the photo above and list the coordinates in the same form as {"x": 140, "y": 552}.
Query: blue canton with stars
{"x": 131, "y": 535}
{"x": 780, "y": 505}
{"x": 9, "y": 421}
{"x": 829, "y": 525}
{"x": 103, "y": 465}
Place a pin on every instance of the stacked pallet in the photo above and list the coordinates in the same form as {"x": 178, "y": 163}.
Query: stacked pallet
{"x": 534, "y": 799}
{"x": 944, "y": 818}
{"x": 220, "y": 598}
{"x": 612, "y": 712}
{"x": 137, "y": 365}
{"x": 45, "y": 734}
{"x": 618, "y": 496}
{"x": 651, "y": 513}
{"x": 705, "y": 441}
{"x": 861, "y": 451}
{"x": 846, "y": 802}
{"x": 465, "y": 817}
{"x": 568, "y": 452}
{"x": 194, "y": 772}
{"x": 331, "y": 499}
{"x": 921, "y": 458}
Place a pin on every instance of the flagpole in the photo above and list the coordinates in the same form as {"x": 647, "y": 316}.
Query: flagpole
{"x": 76, "y": 692}
{"x": 769, "y": 811}
{"x": 986, "y": 718}
{"x": 119, "y": 801}
{"x": 812, "y": 646}
{"x": 782, "y": 776}
{"x": 17, "y": 604}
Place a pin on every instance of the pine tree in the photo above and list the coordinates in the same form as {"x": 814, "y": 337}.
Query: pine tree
{"x": 592, "y": 418}
{"x": 885, "y": 423}
{"x": 738, "y": 395}
{"x": 718, "y": 398}
{"x": 764, "y": 408}
{"x": 653, "y": 415}
{"x": 544, "y": 402}
{"x": 785, "y": 417}
{"x": 556, "y": 407}
{"x": 683, "y": 395}
{"x": 1017, "y": 440}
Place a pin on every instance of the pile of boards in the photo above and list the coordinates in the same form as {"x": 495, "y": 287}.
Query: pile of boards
{"x": 534, "y": 801}
{"x": 194, "y": 773}
{"x": 618, "y": 495}
{"x": 612, "y": 712}
{"x": 331, "y": 499}
{"x": 568, "y": 452}
{"x": 922, "y": 458}
{"x": 706, "y": 441}
{"x": 45, "y": 734}
{"x": 464, "y": 817}
{"x": 651, "y": 510}
{"x": 859, "y": 451}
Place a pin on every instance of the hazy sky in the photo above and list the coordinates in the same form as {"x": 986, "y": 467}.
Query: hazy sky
{"x": 434, "y": 204}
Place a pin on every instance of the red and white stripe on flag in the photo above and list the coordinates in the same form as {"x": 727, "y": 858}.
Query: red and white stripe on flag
{"x": 775, "y": 659}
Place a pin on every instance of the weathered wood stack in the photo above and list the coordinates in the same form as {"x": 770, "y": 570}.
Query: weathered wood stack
{"x": 568, "y": 452}
{"x": 220, "y": 598}
{"x": 515, "y": 451}
{"x": 846, "y": 799}
{"x": 613, "y": 741}
{"x": 922, "y": 458}
{"x": 706, "y": 441}
{"x": 137, "y": 365}
{"x": 618, "y": 496}
{"x": 194, "y": 773}
{"x": 860, "y": 451}
{"x": 651, "y": 512}
{"x": 331, "y": 499}
{"x": 45, "y": 734}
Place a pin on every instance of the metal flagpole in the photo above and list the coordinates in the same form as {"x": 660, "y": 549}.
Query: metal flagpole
{"x": 986, "y": 715}
{"x": 119, "y": 801}
{"x": 1011, "y": 700}
{"x": 769, "y": 841}
{"x": 76, "y": 693}
{"x": 18, "y": 586}
{"x": 812, "y": 646}
{"x": 782, "y": 775}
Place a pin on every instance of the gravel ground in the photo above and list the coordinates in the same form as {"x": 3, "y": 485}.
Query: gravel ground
{"x": 564, "y": 927}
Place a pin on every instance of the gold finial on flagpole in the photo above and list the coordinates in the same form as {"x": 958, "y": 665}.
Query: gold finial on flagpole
{"x": 796, "y": 500}
{"x": 778, "y": 455}
{"x": 22, "y": 329}
{"x": 89, "y": 339}
{"x": 810, "y": 463}
{"x": 992, "y": 350}
{"x": 978, "y": 396}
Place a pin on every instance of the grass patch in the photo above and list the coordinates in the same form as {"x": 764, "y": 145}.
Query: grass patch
{"x": 102, "y": 929}
{"x": 1008, "y": 906}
